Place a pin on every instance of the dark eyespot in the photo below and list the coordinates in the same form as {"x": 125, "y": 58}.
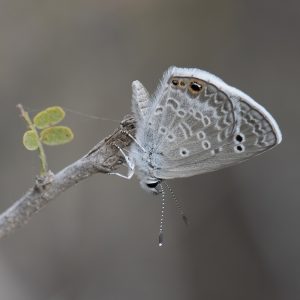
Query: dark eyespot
{"x": 175, "y": 82}
{"x": 195, "y": 86}
{"x": 184, "y": 152}
{"x": 239, "y": 138}
{"x": 152, "y": 185}
{"x": 239, "y": 148}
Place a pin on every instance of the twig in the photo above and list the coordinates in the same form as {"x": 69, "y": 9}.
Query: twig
{"x": 103, "y": 158}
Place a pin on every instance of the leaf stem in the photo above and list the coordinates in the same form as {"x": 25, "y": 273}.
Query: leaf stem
{"x": 42, "y": 154}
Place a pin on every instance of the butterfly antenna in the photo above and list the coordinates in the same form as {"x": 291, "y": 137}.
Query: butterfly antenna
{"x": 162, "y": 217}
{"x": 178, "y": 204}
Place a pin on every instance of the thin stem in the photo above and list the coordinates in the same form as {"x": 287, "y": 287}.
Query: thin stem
{"x": 42, "y": 154}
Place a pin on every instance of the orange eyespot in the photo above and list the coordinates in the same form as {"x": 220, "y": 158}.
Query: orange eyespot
{"x": 195, "y": 86}
{"x": 182, "y": 83}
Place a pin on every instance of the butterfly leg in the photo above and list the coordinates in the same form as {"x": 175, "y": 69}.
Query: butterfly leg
{"x": 130, "y": 165}
{"x": 134, "y": 139}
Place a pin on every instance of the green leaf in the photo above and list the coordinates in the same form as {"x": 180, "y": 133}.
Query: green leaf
{"x": 49, "y": 117}
{"x": 31, "y": 140}
{"x": 56, "y": 135}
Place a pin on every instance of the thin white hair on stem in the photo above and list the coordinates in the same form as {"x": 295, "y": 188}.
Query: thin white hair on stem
{"x": 90, "y": 116}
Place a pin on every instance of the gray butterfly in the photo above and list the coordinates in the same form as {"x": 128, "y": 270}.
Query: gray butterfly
{"x": 193, "y": 124}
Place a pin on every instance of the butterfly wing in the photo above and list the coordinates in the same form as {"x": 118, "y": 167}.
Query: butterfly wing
{"x": 140, "y": 100}
{"x": 199, "y": 124}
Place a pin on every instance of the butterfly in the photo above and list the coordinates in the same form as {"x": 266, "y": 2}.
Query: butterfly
{"x": 193, "y": 124}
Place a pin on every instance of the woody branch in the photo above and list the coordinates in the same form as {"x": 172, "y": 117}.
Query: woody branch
{"x": 102, "y": 158}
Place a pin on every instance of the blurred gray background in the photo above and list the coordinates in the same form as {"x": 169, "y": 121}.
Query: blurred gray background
{"x": 99, "y": 239}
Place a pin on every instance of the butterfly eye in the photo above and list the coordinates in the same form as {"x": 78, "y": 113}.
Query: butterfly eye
{"x": 195, "y": 86}
{"x": 152, "y": 185}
